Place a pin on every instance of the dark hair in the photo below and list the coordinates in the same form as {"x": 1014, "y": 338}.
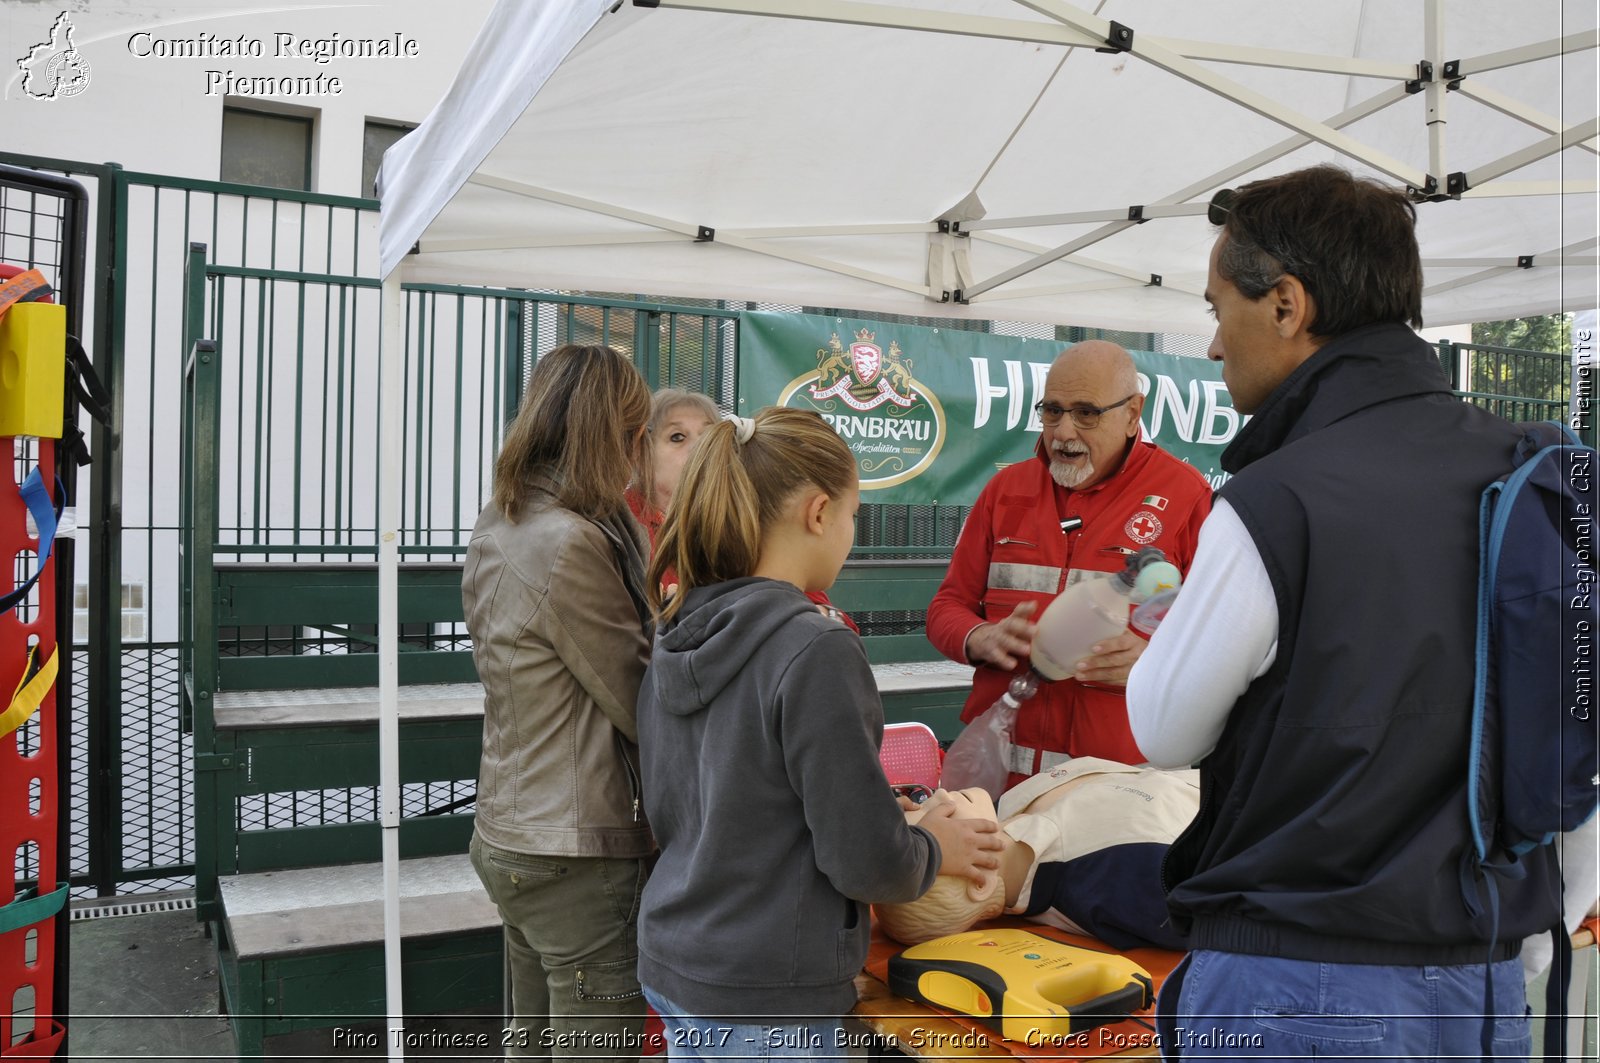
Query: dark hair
{"x": 1351, "y": 241}
{"x": 579, "y": 424}
{"x": 731, "y": 493}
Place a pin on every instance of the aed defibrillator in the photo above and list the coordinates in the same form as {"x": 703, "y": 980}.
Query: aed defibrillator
{"x": 1022, "y": 985}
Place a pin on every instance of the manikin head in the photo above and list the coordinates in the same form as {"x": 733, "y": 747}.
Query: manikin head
{"x": 951, "y": 904}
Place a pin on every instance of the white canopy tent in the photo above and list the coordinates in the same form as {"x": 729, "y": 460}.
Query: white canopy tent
{"x": 807, "y": 151}
{"x": 1007, "y": 159}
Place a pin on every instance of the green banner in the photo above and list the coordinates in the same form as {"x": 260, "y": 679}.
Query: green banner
{"x": 932, "y": 413}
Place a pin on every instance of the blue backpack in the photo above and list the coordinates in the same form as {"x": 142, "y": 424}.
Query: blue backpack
{"x": 1535, "y": 753}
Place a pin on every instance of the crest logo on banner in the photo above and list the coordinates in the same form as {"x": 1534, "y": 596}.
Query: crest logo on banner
{"x": 893, "y": 424}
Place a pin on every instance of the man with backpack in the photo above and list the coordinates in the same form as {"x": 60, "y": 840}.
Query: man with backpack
{"x": 1319, "y": 664}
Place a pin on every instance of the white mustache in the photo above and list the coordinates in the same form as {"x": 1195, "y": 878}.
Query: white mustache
{"x": 1069, "y": 450}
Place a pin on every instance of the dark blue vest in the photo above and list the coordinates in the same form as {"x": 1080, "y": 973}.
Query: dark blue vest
{"x": 1333, "y": 811}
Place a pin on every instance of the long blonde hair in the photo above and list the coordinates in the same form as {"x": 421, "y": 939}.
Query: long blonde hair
{"x": 579, "y": 424}
{"x": 731, "y": 493}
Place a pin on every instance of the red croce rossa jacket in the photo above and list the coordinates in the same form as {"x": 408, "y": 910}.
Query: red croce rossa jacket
{"x": 1012, "y": 550}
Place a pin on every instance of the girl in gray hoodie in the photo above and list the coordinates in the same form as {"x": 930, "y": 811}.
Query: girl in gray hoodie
{"x": 759, "y": 726}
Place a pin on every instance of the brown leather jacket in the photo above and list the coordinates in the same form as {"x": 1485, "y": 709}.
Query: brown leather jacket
{"x": 560, "y": 637}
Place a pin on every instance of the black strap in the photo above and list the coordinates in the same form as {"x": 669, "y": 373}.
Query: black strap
{"x": 1555, "y": 996}
{"x": 91, "y": 393}
{"x": 86, "y": 389}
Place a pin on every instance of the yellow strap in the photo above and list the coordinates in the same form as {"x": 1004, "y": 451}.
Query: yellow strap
{"x": 30, "y": 692}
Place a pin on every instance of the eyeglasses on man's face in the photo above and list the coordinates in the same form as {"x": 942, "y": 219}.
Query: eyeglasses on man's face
{"x": 1084, "y": 417}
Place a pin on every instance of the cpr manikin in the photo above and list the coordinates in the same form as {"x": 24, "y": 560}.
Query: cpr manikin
{"x": 1081, "y": 850}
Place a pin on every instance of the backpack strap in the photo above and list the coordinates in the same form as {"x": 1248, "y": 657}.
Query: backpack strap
{"x": 1555, "y": 996}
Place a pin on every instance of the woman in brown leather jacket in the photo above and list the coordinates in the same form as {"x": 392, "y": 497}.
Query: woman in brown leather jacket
{"x": 554, "y": 593}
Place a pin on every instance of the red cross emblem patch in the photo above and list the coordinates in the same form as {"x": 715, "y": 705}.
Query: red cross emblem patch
{"x": 1144, "y": 527}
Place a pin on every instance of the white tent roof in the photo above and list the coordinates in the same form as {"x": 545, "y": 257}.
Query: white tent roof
{"x": 822, "y": 141}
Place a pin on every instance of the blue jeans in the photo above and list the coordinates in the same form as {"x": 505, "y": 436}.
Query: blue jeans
{"x": 1234, "y": 1006}
{"x": 693, "y": 1038}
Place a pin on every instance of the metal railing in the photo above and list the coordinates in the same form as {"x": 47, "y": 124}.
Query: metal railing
{"x": 1517, "y": 385}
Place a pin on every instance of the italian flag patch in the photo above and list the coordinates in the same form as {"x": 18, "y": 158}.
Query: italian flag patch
{"x": 1154, "y": 502}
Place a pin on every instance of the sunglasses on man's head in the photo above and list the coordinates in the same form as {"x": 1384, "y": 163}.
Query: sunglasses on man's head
{"x": 1221, "y": 204}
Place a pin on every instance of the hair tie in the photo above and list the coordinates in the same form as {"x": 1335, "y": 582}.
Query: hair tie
{"x": 743, "y": 428}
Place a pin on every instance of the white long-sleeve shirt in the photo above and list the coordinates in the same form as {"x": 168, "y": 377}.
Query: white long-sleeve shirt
{"x": 1220, "y": 634}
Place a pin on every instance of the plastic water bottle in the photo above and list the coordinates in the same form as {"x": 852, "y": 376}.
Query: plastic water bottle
{"x": 1080, "y": 616}
{"x": 1092, "y": 610}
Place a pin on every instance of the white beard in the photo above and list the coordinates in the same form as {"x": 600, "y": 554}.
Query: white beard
{"x": 1070, "y": 475}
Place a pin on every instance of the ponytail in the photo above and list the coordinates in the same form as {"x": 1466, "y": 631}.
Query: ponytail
{"x": 732, "y": 492}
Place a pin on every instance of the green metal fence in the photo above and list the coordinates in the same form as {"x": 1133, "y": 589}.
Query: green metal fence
{"x": 289, "y": 296}
{"x": 1517, "y": 385}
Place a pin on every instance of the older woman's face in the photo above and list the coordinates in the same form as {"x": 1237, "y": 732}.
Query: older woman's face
{"x": 674, "y": 441}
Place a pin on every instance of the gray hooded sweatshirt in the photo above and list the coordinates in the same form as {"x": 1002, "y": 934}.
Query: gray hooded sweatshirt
{"x": 759, "y": 726}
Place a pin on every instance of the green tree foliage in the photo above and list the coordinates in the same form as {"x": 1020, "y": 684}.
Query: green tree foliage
{"x": 1537, "y": 364}
{"x": 1551, "y": 333}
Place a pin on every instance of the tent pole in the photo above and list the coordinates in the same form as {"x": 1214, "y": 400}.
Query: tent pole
{"x": 391, "y": 362}
{"x": 1487, "y": 96}
{"x": 1529, "y": 53}
{"x": 1435, "y": 91}
{"x": 1574, "y": 134}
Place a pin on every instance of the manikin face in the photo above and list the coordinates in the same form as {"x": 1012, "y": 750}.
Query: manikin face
{"x": 972, "y": 803}
{"x": 1082, "y": 457}
{"x": 674, "y": 441}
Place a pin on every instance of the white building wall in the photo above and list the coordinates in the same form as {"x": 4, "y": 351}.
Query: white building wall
{"x": 150, "y": 96}
{"x": 162, "y": 113}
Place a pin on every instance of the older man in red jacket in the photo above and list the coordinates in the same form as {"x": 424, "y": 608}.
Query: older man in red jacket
{"x": 1094, "y": 493}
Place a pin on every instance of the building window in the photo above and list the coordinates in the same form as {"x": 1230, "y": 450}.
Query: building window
{"x": 134, "y": 620}
{"x": 265, "y": 148}
{"x": 377, "y": 139}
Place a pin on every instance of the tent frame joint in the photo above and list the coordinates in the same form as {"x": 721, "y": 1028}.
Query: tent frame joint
{"x": 1136, "y": 214}
{"x": 1451, "y": 75}
{"x": 1155, "y": 281}
{"x": 1524, "y": 261}
{"x": 1119, "y": 38}
{"x": 1430, "y": 193}
{"x": 1423, "y": 79}
{"x": 705, "y": 234}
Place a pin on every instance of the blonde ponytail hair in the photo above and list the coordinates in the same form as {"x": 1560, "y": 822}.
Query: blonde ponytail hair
{"x": 731, "y": 493}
